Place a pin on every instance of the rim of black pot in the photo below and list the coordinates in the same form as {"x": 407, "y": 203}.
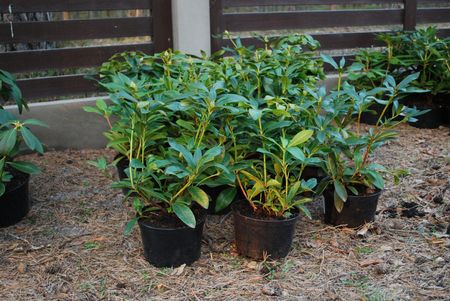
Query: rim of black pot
{"x": 377, "y": 192}
{"x": 27, "y": 178}
{"x": 149, "y": 226}
{"x": 234, "y": 207}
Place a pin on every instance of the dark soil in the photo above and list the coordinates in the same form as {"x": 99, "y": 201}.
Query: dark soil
{"x": 160, "y": 219}
{"x": 18, "y": 179}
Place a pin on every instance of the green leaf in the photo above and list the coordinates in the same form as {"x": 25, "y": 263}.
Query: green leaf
{"x": 225, "y": 198}
{"x": 338, "y": 203}
{"x": 184, "y": 152}
{"x": 35, "y": 122}
{"x": 340, "y": 190}
{"x": 297, "y": 153}
{"x": 25, "y": 167}
{"x": 8, "y": 141}
{"x": 255, "y": 114}
{"x": 328, "y": 59}
{"x": 199, "y": 196}
{"x": 300, "y": 138}
{"x": 376, "y": 179}
{"x": 185, "y": 214}
{"x": 2, "y": 188}
{"x": 305, "y": 211}
{"x": 129, "y": 226}
{"x": 92, "y": 110}
{"x": 31, "y": 140}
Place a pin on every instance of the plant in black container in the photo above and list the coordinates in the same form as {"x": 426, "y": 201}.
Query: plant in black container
{"x": 354, "y": 182}
{"x": 14, "y": 137}
{"x": 407, "y": 53}
{"x": 271, "y": 186}
{"x": 165, "y": 184}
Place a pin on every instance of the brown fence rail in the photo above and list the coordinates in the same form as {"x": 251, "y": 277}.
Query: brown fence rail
{"x": 404, "y": 13}
{"x": 157, "y": 25}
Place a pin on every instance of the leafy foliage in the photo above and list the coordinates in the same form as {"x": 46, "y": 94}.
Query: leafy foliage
{"x": 15, "y": 134}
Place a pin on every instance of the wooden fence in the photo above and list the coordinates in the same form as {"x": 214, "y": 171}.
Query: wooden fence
{"x": 408, "y": 14}
{"x": 157, "y": 25}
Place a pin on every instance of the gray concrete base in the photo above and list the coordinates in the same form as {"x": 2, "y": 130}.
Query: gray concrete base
{"x": 70, "y": 127}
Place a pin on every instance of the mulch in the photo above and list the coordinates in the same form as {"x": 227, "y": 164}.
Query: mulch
{"x": 71, "y": 245}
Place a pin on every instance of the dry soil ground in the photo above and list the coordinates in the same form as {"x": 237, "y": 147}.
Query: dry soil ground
{"x": 71, "y": 246}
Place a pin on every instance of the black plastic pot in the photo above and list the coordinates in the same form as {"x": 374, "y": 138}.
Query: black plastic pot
{"x": 357, "y": 210}
{"x": 121, "y": 166}
{"x": 372, "y": 117}
{"x": 171, "y": 247}
{"x": 426, "y": 101}
{"x": 430, "y": 120}
{"x": 15, "y": 202}
{"x": 256, "y": 237}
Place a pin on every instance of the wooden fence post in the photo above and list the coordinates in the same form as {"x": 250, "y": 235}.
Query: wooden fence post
{"x": 162, "y": 24}
{"x": 410, "y": 15}
{"x": 216, "y": 11}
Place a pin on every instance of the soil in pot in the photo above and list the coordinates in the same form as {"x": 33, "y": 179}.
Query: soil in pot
{"x": 425, "y": 101}
{"x": 357, "y": 210}
{"x": 168, "y": 242}
{"x": 258, "y": 235}
{"x": 15, "y": 202}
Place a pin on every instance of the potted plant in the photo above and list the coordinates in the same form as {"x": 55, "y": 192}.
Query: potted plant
{"x": 271, "y": 185}
{"x": 354, "y": 182}
{"x": 15, "y": 201}
{"x": 165, "y": 184}
{"x": 408, "y": 53}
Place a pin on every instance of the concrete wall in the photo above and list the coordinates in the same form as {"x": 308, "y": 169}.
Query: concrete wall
{"x": 191, "y": 29}
{"x": 69, "y": 126}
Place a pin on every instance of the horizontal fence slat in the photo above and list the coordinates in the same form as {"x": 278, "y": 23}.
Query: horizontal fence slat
{"x": 433, "y": 15}
{"x": 36, "y": 60}
{"x": 47, "y": 87}
{"x": 311, "y": 19}
{"x": 28, "y": 32}
{"x": 330, "y": 41}
{"x": 21, "y": 6}
{"x": 249, "y": 3}
{"x": 444, "y": 2}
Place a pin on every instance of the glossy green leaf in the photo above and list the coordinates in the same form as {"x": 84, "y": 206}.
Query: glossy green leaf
{"x": 199, "y": 196}
{"x": 225, "y": 198}
{"x": 8, "y": 141}
{"x": 25, "y": 167}
{"x": 340, "y": 190}
{"x": 129, "y": 226}
{"x": 31, "y": 140}
{"x": 185, "y": 214}
{"x": 301, "y": 138}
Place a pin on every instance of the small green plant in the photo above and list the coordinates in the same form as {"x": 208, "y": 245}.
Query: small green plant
{"x": 348, "y": 161}
{"x": 15, "y": 134}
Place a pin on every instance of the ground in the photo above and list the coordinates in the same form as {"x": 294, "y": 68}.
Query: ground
{"x": 71, "y": 245}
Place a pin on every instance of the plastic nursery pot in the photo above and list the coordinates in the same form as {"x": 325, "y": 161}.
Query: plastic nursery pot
{"x": 15, "y": 202}
{"x": 431, "y": 120}
{"x": 121, "y": 166}
{"x": 357, "y": 210}
{"x": 372, "y": 117}
{"x": 213, "y": 193}
{"x": 257, "y": 237}
{"x": 424, "y": 101}
{"x": 171, "y": 246}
